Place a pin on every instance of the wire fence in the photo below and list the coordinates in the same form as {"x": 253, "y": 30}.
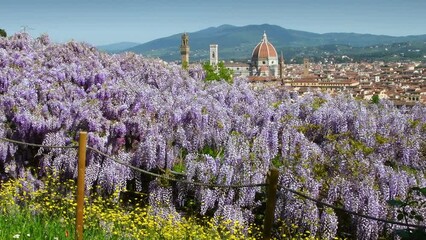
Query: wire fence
{"x": 36, "y": 145}
{"x": 166, "y": 177}
{"x": 349, "y": 211}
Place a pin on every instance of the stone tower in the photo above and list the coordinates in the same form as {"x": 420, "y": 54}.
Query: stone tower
{"x": 184, "y": 49}
{"x": 305, "y": 67}
{"x": 214, "y": 54}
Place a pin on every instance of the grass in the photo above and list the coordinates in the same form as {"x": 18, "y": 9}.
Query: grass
{"x": 48, "y": 212}
{"x": 26, "y": 225}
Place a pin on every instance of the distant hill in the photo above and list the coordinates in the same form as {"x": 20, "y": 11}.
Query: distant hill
{"x": 238, "y": 42}
{"x": 117, "y": 47}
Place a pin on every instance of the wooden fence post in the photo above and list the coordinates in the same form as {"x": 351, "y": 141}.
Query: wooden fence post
{"x": 80, "y": 184}
{"x": 271, "y": 199}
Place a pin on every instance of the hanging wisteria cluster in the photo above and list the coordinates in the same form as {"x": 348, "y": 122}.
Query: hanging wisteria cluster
{"x": 156, "y": 116}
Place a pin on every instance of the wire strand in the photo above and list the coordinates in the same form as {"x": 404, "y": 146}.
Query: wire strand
{"x": 174, "y": 179}
{"x": 173, "y": 172}
{"x": 35, "y": 145}
{"x": 349, "y": 211}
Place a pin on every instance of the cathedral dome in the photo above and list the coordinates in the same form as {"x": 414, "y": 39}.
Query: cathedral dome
{"x": 264, "y": 50}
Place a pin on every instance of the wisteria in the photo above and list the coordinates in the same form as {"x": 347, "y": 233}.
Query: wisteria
{"x": 156, "y": 116}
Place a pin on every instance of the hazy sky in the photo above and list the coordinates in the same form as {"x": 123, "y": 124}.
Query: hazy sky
{"x": 108, "y": 21}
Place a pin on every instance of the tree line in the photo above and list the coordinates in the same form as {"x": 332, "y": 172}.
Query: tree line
{"x": 3, "y": 33}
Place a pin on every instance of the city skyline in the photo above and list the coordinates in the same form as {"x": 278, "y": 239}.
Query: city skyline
{"x": 104, "y": 22}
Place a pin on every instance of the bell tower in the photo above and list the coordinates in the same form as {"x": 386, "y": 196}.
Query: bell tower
{"x": 305, "y": 67}
{"x": 214, "y": 55}
{"x": 184, "y": 49}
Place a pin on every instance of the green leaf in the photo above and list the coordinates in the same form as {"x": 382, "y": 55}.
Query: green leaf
{"x": 400, "y": 216}
{"x": 277, "y": 161}
{"x": 420, "y": 190}
{"x": 418, "y": 234}
{"x": 375, "y": 99}
{"x": 396, "y": 203}
{"x": 403, "y": 233}
{"x": 179, "y": 167}
{"x": 423, "y": 191}
{"x": 419, "y": 218}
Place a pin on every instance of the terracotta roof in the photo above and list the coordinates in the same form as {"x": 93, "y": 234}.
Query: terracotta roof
{"x": 261, "y": 78}
{"x": 264, "y": 49}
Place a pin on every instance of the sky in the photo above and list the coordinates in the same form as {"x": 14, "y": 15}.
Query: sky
{"x": 101, "y": 22}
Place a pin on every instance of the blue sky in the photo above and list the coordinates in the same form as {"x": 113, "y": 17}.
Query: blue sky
{"x": 109, "y": 21}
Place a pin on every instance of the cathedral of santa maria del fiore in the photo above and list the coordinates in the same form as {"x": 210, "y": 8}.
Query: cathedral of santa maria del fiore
{"x": 264, "y": 61}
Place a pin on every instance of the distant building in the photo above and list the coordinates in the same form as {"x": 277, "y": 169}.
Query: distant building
{"x": 239, "y": 69}
{"x": 324, "y": 85}
{"x": 281, "y": 65}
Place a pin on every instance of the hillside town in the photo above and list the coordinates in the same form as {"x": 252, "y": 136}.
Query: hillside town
{"x": 404, "y": 83}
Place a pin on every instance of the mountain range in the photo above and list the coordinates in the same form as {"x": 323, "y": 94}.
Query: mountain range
{"x": 237, "y": 43}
